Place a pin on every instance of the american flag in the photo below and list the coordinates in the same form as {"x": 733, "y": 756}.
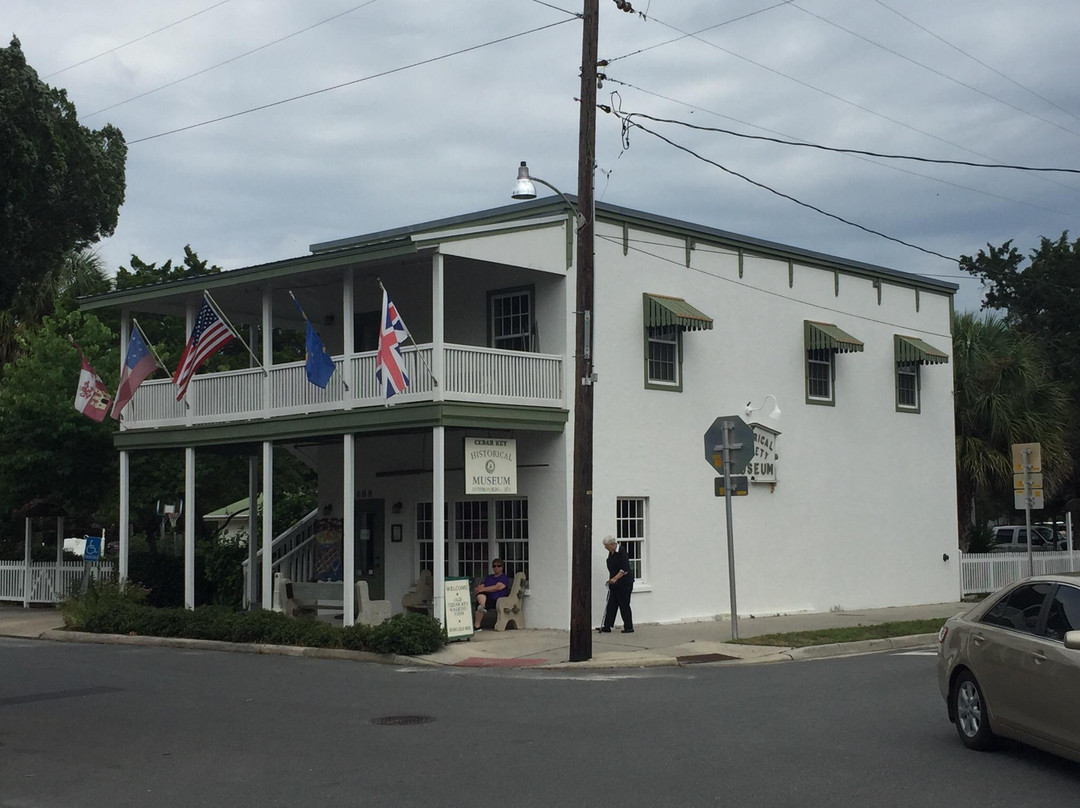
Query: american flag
{"x": 390, "y": 364}
{"x": 210, "y": 334}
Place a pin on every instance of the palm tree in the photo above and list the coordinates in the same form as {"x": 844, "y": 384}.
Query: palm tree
{"x": 82, "y": 272}
{"x": 1005, "y": 394}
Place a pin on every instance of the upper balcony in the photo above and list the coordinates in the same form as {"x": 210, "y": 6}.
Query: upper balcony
{"x": 470, "y": 374}
{"x": 476, "y": 294}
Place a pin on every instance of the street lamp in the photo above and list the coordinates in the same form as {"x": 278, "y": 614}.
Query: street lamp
{"x": 524, "y": 189}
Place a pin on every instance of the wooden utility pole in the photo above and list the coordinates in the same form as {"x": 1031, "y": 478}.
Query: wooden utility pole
{"x": 581, "y": 543}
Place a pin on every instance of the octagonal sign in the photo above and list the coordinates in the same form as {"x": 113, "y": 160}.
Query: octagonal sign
{"x": 741, "y": 433}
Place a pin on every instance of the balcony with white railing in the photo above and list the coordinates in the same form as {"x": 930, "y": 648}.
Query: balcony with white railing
{"x": 471, "y": 374}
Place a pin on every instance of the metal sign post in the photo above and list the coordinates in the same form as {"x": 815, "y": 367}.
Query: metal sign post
{"x": 1027, "y": 477}
{"x": 729, "y": 441}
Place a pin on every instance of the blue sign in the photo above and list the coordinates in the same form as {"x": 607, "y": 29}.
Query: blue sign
{"x": 92, "y": 551}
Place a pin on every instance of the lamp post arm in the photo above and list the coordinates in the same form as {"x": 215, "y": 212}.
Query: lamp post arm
{"x": 577, "y": 213}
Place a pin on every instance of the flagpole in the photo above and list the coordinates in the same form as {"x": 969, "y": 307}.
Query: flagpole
{"x": 303, "y": 314}
{"x": 157, "y": 358}
{"x": 149, "y": 345}
{"x": 419, "y": 353}
{"x": 228, "y": 322}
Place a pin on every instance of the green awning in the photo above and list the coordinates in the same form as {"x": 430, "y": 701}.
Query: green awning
{"x": 913, "y": 351}
{"x": 661, "y": 310}
{"x": 827, "y": 336}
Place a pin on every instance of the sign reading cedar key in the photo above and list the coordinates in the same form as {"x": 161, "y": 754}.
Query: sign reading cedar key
{"x": 490, "y": 466}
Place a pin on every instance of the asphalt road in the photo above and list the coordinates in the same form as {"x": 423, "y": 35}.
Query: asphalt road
{"x": 88, "y": 725}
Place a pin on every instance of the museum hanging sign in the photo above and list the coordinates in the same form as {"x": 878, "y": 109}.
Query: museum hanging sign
{"x": 490, "y": 466}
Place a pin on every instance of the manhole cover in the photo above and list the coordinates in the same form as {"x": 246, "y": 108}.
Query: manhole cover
{"x": 696, "y": 658}
{"x": 402, "y": 720}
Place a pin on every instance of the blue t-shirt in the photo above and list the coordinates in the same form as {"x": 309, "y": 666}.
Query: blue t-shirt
{"x": 491, "y": 580}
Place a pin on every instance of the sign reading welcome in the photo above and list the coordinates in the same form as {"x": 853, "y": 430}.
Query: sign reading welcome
{"x": 490, "y": 466}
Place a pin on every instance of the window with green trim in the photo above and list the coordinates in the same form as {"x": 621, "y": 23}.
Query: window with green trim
{"x": 665, "y": 356}
{"x": 907, "y": 386}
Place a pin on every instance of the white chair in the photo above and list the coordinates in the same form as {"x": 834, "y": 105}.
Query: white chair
{"x": 370, "y": 612}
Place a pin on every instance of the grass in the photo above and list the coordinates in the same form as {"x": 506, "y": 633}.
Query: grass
{"x": 825, "y": 636}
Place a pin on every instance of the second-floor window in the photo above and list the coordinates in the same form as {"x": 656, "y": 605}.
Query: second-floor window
{"x": 510, "y": 314}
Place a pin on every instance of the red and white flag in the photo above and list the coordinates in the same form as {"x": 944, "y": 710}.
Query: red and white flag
{"x": 92, "y": 398}
{"x": 390, "y": 364}
{"x": 210, "y": 334}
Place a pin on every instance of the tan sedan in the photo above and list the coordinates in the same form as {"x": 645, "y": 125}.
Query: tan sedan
{"x": 1010, "y": 666}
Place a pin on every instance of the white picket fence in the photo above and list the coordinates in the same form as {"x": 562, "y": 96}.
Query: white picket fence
{"x": 45, "y": 585}
{"x": 988, "y": 572}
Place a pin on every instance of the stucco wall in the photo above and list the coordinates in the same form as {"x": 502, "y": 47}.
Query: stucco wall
{"x": 864, "y": 507}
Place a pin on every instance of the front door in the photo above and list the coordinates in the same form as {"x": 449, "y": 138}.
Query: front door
{"x": 369, "y": 546}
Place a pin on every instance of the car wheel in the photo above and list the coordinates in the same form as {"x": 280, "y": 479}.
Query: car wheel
{"x": 972, "y": 717}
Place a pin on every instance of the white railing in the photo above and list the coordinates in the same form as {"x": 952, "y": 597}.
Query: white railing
{"x": 471, "y": 374}
{"x": 987, "y": 572}
{"x": 44, "y": 586}
{"x": 292, "y": 553}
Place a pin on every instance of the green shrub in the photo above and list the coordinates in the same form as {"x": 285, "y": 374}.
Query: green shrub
{"x": 408, "y": 633}
{"x": 106, "y": 608}
{"x": 99, "y": 601}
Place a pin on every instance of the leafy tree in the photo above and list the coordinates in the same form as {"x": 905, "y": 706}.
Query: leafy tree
{"x": 1005, "y": 394}
{"x": 63, "y": 184}
{"x": 50, "y": 454}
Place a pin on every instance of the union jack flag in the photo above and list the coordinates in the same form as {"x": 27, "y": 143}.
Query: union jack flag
{"x": 390, "y": 364}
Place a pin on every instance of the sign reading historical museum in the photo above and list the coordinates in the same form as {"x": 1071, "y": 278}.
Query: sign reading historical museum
{"x": 490, "y": 466}
{"x": 762, "y": 468}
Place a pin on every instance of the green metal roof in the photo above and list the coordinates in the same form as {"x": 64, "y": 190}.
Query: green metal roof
{"x": 913, "y": 351}
{"x": 829, "y": 337}
{"x": 664, "y": 310}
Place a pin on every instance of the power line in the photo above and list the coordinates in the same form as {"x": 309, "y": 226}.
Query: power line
{"x": 227, "y": 61}
{"x": 975, "y": 59}
{"x": 350, "y": 83}
{"x": 842, "y": 99}
{"x": 576, "y": 14}
{"x": 839, "y": 150}
{"x": 701, "y": 31}
{"x": 934, "y": 70}
{"x": 136, "y": 39}
{"x": 900, "y": 169}
{"x": 628, "y": 124}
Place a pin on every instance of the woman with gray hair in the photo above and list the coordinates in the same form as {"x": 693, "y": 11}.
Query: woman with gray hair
{"x": 620, "y": 585}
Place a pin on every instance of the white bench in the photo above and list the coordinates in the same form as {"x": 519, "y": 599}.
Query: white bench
{"x": 509, "y": 608}
{"x": 420, "y": 599}
{"x": 309, "y": 598}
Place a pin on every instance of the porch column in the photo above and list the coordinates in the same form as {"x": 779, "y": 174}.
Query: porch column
{"x": 438, "y": 338}
{"x": 253, "y": 571}
{"x": 189, "y": 527}
{"x": 348, "y": 334}
{"x": 438, "y": 533}
{"x": 58, "y": 582}
{"x": 348, "y": 527}
{"x": 267, "y": 354}
{"x": 125, "y": 515}
{"x": 26, "y": 577}
{"x": 267, "y": 524}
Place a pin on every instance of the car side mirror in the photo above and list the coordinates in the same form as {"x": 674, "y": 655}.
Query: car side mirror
{"x": 1072, "y": 640}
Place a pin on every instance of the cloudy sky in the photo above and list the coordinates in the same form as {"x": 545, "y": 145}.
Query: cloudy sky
{"x": 259, "y": 127}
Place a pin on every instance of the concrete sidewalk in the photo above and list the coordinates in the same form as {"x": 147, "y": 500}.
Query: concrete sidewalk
{"x": 650, "y": 645}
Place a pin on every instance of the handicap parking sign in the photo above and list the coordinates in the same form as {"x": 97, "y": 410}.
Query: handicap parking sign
{"x": 92, "y": 551}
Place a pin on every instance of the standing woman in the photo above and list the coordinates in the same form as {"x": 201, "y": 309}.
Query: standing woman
{"x": 620, "y": 586}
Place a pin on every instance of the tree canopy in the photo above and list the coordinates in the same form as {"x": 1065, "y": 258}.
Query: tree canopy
{"x": 63, "y": 184}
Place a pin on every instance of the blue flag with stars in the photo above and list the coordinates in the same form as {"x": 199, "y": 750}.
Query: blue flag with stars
{"x": 319, "y": 367}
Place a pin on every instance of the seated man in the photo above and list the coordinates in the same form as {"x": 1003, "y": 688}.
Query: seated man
{"x": 489, "y": 590}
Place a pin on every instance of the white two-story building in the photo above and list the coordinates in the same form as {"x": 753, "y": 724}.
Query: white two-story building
{"x": 852, "y": 498}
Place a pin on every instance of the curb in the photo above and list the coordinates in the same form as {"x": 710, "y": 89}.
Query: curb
{"x": 861, "y": 646}
{"x": 60, "y": 635}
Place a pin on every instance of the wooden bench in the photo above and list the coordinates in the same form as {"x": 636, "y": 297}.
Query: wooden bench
{"x": 310, "y": 598}
{"x": 420, "y": 599}
{"x": 509, "y": 608}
